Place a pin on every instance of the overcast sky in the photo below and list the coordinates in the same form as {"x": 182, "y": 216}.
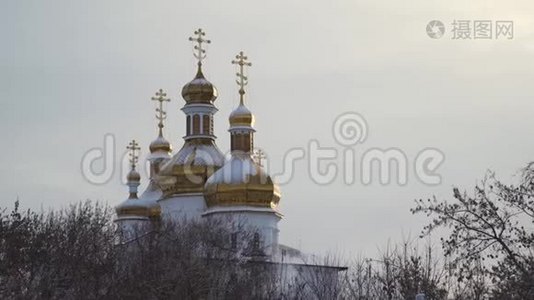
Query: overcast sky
{"x": 72, "y": 71}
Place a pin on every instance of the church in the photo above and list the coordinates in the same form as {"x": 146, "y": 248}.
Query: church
{"x": 198, "y": 182}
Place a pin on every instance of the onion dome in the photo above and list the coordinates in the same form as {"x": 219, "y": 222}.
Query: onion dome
{"x": 199, "y": 90}
{"x": 160, "y": 144}
{"x": 138, "y": 208}
{"x": 197, "y": 153}
{"x": 133, "y": 176}
{"x": 241, "y": 182}
{"x": 160, "y": 148}
{"x": 133, "y": 207}
{"x": 188, "y": 170}
{"x": 241, "y": 117}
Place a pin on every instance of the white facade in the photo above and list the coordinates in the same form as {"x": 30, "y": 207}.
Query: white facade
{"x": 263, "y": 221}
{"x": 183, "y": 207}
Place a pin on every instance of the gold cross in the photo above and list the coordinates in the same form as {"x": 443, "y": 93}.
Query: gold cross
{"x": 259, "y": 155}
{"x": 160, "y": 113}
{"x": 242, "y": 79}
{"x": 200, "y": 53}
{"x": 133, "y": 146}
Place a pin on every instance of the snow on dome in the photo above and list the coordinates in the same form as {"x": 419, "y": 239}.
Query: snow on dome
{"x": 160, "y": 144}
{"x": 142, "y": 207}
{"x": 241, "y": 116}
{"x": 196, "y": 154}
{"x": 241, "y": 181}
{"x": 239, "y": 169}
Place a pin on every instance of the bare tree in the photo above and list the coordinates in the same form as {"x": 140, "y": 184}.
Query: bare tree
{"x": 44, "y": 256}
{"x": 79, "y": 253}
{"x": 400, "y": 272}
{"x": 491, "y": 228}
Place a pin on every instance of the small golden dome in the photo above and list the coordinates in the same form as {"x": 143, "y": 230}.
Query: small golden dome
{"x": 133, "y": 176}
{"x": 241, "y": 182}
{"x": 134, "y": 207}
{"x": 241, "y": 116}
{"x": 160, "y": 144}
{"x": 199, "y": 90}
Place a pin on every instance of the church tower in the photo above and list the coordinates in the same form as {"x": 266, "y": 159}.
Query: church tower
{"x": 183, "y": 177}
{"x": 136, "y": 214}
{"x": 160, "y": 150}
{"x": 241, "y": 192}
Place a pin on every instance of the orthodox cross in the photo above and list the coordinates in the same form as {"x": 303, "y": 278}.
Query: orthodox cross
{"x": 133, "y": 146}
{"x": 242, "y": 81}
{"x": 200, "y": 53}
{"x": 259, "y": 155}
{"x": 160, "y": 113}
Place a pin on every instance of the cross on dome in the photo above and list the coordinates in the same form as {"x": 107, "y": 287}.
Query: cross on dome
{"x": 133, "y": 146}
{"x": 242, "y": 81}
{"x": 200, "y": 53}
{"x": 160, "y": 113}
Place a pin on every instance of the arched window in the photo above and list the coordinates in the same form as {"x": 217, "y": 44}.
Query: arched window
{"x": 241, "y": 141}
{"x": 248, "y": 142}
{"x": 196, "y": 124}
{"x": 188, "y": 125}
{"x": 206, "y": 124}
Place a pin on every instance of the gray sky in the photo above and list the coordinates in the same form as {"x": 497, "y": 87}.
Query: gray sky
{"x": 72, "y": 71}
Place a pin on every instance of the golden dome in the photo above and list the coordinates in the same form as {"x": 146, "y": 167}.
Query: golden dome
{"x": 241, "y": 182}
{"x": 199, "y": 90}
{"x": 133, "y": 176}
{"x": 160, "y": 144}
{"x": 241, "y": 116}
{"x": 135, "y": 207}
{"x": 188, "y": 170}
{"x": 144, "y": 206}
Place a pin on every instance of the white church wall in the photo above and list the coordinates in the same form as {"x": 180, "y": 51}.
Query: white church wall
{"x": 132, "y": 227}
{"x": 183, "y": 207}
{"x": 262, "y": 221}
